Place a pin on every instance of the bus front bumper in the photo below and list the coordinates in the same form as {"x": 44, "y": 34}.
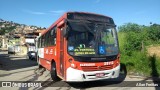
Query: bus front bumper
{"x": 74, "y": 75}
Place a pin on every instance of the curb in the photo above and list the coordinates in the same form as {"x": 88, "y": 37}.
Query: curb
{"x": 144, "y": 77}
{"x": 139, "y": 77}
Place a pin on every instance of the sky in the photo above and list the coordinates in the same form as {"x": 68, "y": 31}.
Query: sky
{"x": 43, "y": 13}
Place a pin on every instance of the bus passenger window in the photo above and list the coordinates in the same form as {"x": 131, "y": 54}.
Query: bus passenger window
{"x": 53, "y": 36}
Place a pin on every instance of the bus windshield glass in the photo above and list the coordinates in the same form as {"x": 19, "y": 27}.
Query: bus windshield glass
{"x": 91, "y": 39}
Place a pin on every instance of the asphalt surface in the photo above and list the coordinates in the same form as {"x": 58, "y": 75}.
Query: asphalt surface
{"x": 17, "y": 68}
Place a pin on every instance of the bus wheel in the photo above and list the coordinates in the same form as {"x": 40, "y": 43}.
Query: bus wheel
{"x": 54, "y": 73}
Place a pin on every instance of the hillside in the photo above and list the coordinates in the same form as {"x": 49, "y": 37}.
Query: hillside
{"x": 8, "y": 26}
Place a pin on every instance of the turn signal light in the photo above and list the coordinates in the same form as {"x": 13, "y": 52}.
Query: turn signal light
{"x": 73, "y": 65}
{"x": 117, "y": 63}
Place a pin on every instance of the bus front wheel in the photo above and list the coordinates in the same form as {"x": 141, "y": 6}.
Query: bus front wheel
{"x": 54, "y": 73}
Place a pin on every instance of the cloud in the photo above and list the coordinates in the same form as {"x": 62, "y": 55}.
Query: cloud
{"x": 53, "y": 12}
{"x": 34, "y": 12}
{"x": 97, "y": 1}
{"x": 38, "y": 13}
{"x": 57, "y": 12}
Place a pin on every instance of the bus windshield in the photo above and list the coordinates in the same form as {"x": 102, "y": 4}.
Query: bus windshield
{"x": 92, "y": 39}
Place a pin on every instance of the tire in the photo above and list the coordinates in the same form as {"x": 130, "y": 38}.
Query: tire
{"x": 30, "y": 58}
{"x": 54, "y": 73}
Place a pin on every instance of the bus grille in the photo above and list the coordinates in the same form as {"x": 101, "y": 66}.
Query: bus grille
{"x": 97, "y": 68}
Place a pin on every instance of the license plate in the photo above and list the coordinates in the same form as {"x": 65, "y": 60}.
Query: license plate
{"x": 100, "y": 74}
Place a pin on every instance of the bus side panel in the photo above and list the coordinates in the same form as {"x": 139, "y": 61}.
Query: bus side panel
{"x": 50, "y": 54}
{"x": 41, "y": 57}
{"x": 43, "y": 62}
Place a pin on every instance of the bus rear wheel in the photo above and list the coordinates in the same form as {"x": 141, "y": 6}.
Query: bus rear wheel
{"x": 54, "y": 73}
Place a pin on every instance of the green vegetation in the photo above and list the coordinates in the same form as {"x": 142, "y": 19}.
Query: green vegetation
{"x": 7, "y": 30}
{"x": 6, "y": 27}
{"x": 133, "y": 40}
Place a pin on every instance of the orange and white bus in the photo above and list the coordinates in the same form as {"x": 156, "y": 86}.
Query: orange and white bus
{"x": 80, "y": 47}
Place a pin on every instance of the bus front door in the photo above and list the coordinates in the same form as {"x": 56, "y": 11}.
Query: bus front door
{"x": 60, "y": 51}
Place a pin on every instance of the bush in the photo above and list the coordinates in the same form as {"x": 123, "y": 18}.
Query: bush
{"x": 132, "y": 40}
{"x": 134, "y": 37}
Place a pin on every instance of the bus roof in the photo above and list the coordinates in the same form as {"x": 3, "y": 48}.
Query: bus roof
{"x": 81, "y": 16}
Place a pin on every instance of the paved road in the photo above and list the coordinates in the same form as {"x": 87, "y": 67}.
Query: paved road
{"x": 18, "y": 68}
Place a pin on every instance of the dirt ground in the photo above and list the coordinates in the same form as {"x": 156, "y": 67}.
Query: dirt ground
{"x": 153, "y": 50}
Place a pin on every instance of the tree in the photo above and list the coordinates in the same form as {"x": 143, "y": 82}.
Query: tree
{"x": 130, "y": 27}
{"x": 154, "y": 32}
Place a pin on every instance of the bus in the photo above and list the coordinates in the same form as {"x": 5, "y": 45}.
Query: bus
{"x": 80, "y": 46}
